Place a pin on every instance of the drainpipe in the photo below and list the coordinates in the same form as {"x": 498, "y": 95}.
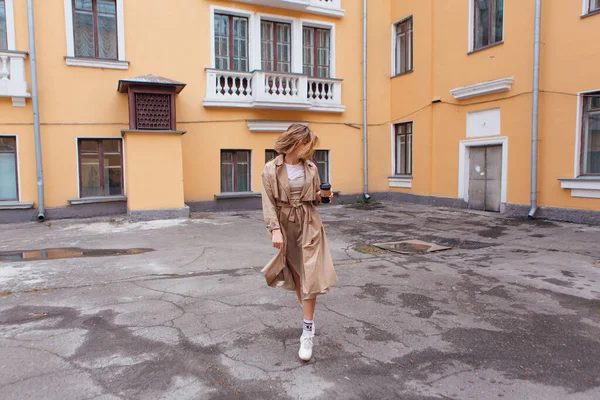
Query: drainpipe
{"x": 365, "y": 125}
{"x": 535, "y": 107}
{"x": 36, "y": 114}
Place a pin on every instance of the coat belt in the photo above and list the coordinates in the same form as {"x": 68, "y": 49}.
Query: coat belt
{"x": 293, "y": 207}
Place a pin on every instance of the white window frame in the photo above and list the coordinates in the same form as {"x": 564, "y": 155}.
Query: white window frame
{"x": 394, "y": 72}
{"x": 586, "y": 7}
{"x": 322, "y": 25}
{"x": 253, "y": 35}
{"x": 10, "y": 25}
{"x": 18, "y": 149}
{"x": 472, "y": 26}
{"x": 464, "y": 159}
{"x": 71, "y": 60}
{"x": 77, "y": 139}
{"x": 399, "y": 181}
{"x": 295, "y": 37}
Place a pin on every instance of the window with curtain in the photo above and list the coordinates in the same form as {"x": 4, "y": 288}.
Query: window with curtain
{"x": 321, "y": 160}
{"x": 235, "y": 171}
{"x": 3, "y": 32}
{"x": 8, "y": 169}
{"x": 276, "y": 44}
{"x": 100, "y": 167}
{"x": 231, "y": 43}
{"x": 590, "y": 155}
{"x": 489, "y": 23}
{"x": 404, "y": 46}
{"x": 594, "y": 5}
{"x": 95, "y": 28}
{"x": 316, "y": 46}
{"x": 403, "y": 149}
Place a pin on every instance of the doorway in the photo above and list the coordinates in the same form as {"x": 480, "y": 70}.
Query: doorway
{"x": 485, "y": 178}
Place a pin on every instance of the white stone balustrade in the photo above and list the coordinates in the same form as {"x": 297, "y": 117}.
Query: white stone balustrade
{"x": 274, "y": 90}
{"x": 12, "y": 77}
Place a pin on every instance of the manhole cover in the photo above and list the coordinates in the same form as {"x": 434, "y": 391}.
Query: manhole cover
{"x": 411, "y": 247}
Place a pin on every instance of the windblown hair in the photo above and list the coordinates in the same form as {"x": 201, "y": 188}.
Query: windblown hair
{"x": 295, "y": 135}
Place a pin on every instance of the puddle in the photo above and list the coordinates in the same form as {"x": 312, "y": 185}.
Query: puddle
{"x": 411, "y": 247}
{"x": 52, "y": 254}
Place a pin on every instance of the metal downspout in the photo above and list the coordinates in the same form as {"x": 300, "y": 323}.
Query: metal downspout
{"x": 535, "y": 107}
{"x": 365, "y": 125}
{"x": 36, "y": 113}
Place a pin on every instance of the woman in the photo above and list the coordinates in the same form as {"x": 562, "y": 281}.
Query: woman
{"x": 290, "y": 191}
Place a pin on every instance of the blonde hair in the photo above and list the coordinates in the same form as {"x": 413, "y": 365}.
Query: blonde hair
{"x": 297, "y": 134}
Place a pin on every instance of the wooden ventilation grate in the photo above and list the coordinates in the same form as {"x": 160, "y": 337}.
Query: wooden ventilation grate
{"x": 153, "y": 111}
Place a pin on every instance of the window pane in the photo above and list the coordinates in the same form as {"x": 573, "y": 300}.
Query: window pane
{"x": 8, "y": 176}
{"x": 111, "y": 146}
{"x": 308, "y": 51}
{"x": 595, "y": 101}
{"x": 83, "y": 5}
{"x": 409, "y": 154}
{"x": 3, "y": 33}
{"x": 243, "y": 156}
{"x": 482, "y": 28}
{"x": 591, "y": 156}
{"x": 400, "y": 149}
{"x": 270, "y": 155}
{"x": 107, "y": 7}
{"x": 243, "y": 177}
{"x": 88, "y": 146}
{"x": 112, "y": 175}
{"x": 107, "y": 37}
{"x": 498, "y": 20}
{"x": 595, "y": 5}
{"x": 90, "y": 175}
{"x": 222, "y": 42}
{"x": 226, "y": 172}
{"x": 267, "y": 46}
{"x": 8, "y": 144}
{"x": 84, "y": 34}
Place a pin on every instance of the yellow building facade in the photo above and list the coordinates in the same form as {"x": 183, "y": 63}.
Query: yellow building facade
{"x": 157, "y": 110}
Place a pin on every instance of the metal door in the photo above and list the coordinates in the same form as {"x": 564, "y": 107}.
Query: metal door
{"x": 485, "y": 178}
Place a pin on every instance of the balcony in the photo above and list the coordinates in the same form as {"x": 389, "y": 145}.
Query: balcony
{"x": 12, "y": 77}
{"x": 272, "y": 90}
{"x": 332, "y": 8}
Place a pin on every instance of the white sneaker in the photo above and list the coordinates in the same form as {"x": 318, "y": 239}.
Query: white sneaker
{"x": 306, "y": 346}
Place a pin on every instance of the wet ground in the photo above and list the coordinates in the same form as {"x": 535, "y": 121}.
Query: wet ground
{"x": 511, "y": 311}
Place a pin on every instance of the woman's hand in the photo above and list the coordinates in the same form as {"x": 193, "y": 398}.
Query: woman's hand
{"x": 277, "y": 238}
{"x": 319, "y": 196}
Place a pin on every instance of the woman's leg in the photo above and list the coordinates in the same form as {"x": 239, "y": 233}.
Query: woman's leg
{"x": 308, "y": 306}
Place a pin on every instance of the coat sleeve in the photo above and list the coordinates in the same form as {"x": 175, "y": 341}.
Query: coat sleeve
{"x": 268, "y": 203}
{"x": 317, "y": 185}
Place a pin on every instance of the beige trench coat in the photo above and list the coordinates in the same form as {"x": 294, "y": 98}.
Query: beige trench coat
{"x": 319, "y": 273}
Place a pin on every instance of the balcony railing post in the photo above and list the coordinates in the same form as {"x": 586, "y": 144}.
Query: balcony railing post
{"x": 211, "y": 84}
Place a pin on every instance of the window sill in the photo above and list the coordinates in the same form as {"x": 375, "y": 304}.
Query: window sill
{"x": 96, "y": 63}
{"x": 584, "y": 186}
{"x": 485, "y": 48}
{"x": 98, "y": 199}
{"x": 14, "y": 205}
{"x": 236, "y": 195}
{"x": 400, "y": 181}
{"x": 591, "y": 13}
{"x": 402, "y": 74}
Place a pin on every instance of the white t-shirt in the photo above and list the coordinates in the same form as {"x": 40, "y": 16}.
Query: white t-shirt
{"x": 294, "y": 171}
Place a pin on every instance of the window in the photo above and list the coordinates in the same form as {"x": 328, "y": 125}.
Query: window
{"x": 316, "y": 45}
{"x": 404, "y": 46}
{"x": 95, "y": 28}
{"x": 235, "y": 171}
{"x": 231, "y": 43}
{"x": 489, "y": 22}
{"x": 590, "y": 154}
{"x": 3, "y": 26}
{"x": 594, "y": 5}
{"x": 270, "y": 155}
{"x": 8, "y": 168}
{"x": 321, "y": 159}
{"x": 100, "y": 167}
{"x": 276, "y": 45}
{"x": 403, "y": 158}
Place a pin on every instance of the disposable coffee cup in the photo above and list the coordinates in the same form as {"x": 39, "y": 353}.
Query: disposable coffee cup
{"x": 325, "y": 192}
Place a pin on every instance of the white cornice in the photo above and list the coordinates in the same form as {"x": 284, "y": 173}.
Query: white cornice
{"x": 259, "y": 125}
{"x": 483, "y": 88}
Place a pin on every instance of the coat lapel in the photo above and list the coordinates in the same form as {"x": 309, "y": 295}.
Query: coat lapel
{"x": 308, "y": 181}
{"x": 282, "y": 178}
